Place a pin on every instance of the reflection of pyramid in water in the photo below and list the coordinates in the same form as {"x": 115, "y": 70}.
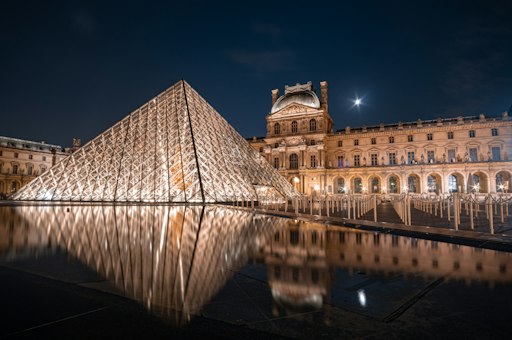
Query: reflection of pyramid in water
{"x": 175, "y": 148}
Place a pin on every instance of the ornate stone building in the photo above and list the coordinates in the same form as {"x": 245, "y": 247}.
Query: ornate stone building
{"x": 22, "y": 160}
{"x": 440, "y": 155}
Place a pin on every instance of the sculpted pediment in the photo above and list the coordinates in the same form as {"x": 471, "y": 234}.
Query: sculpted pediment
{"x": 295, "y": 108}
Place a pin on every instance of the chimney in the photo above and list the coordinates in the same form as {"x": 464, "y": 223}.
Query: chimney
{"x": 275, "y": 95}
{"x": 323, "y": 89}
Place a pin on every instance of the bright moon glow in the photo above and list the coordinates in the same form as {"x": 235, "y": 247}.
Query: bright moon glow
{"x": 357, "y": 101}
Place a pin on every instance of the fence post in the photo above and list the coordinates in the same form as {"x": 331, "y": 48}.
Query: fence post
{"x": 491, "y": 221}
{"x": 375, "y": 208}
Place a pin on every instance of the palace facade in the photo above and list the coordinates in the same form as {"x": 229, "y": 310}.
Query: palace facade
{"x": 22, "y": 160}
{"x": 434, "y": 156}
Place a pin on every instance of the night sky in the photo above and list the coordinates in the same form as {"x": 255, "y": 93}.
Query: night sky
{"x": 74, "y": 68}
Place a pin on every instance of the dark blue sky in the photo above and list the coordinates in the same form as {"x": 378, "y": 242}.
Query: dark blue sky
{"x": 73, "y": 68}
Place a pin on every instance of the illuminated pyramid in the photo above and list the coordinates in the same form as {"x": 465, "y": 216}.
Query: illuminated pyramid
{"x": 175, "y": 148}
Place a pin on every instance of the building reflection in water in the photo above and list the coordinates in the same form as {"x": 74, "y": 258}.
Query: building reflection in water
{"x": 174, "y": 259}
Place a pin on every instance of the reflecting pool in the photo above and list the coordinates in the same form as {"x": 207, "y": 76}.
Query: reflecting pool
{"x": 236, "y": 266}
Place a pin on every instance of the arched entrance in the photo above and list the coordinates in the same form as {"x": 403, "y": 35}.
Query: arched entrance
{"x": 393, "y": 184}
{"x": 357, "y": 185}
{"x": 413, "y": 184}
{"x": 455, "y": 182}
{"x": 480, "y": 182}
{"x": 434, "y": 183}
{"x": 502, "y": 182}
{"x": 374, "y": 185}
{"x": 339, "y": 185}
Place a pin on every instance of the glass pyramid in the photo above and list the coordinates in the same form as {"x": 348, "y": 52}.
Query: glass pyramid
{"x": 175, "y": 148}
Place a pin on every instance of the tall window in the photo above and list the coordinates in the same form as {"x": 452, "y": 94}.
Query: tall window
{"x": 374, "y": 140}
{"x": 340, "y": 185}
{"x": 357, "y": 161}
{"x": 450, "y": 134}
{"x": 451, "y": 155}
{"x": 410, "y": 138}
{"x": 494, "y": 132}
{"x": 471, "y": 133}
{"x": 44, "y": 158}
{"x": 410, "y": 157}
{"x": 312, "y": 125}
{"x": 358, "y": 185}
{"x": 391, "y": 139}
{"x": 340, "y": 162}
{"x": 431, "y": 184}
{"x": 312, "y": 142}
{"x": 393, "y": 185}
{"x": 429, "y": 136}
{"x": 496, "y": 154}
{"x": 277, "y": 129}
{"x": 294, "y": 161}
{"x": 16, "y": 155}
{"x": 29, "y": 170}
{"x": 30, "y": 157}
{"x": 340, "y": 143}
{"x": 374, "y": 159}
{"x": 15, "y": 169}
{"x": 392, "y": 158}
{"x": 294, "y": 126}
{"x": 313, "y": 161}
{"x": 473, "y": 154}
{"x": 276, "y": 162}
{"x": 430, "y": 156}
{"x": 356, "y": 141}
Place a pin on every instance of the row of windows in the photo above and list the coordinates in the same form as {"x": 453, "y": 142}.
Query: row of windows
{"x": 410, "y": 138}
{"x": 295, "y": 127}
{"x": 15, "y": 170}
{"x": 471, "y": 155}
{"x": 17, "y": 155}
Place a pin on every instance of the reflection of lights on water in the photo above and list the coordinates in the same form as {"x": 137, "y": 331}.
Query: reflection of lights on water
{"x": 362, "y": 297}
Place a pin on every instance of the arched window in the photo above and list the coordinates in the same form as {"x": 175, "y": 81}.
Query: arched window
{"x": 358, "y": 185}
{"x": 340, "y": 185}
{"x": 393, "y": 185}
{"x": 312, "y": 125}
{"x": 294, "y": 161}
{"x": 277, "y": 129}
{"x": 294, "y": 126}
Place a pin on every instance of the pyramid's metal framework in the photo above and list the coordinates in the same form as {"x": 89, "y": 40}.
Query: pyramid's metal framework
{"x": 175, "y": 148}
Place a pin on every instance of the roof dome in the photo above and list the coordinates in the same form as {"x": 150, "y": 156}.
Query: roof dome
{"x": 308, "y": 98}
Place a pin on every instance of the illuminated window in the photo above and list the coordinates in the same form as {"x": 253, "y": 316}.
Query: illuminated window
{"x": 277, "y": 129}
{"x": 494, "y": 132}
{"x": 340, "y": 162}
{"x": 374, "y": 159}
{"x": 313, "y": 161}
{"x": 294, "y": 161}
{"x": 312, "y": 125}
{"x": 392, "y": 158}
{"x": 430, "y": 156}
{"x": 357, "y": 160}
{"x": 496, "y": 153}
{"x": 471, "y": 133}
{"x": 294, "y": 127}
{"x": 473, "y": 154}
